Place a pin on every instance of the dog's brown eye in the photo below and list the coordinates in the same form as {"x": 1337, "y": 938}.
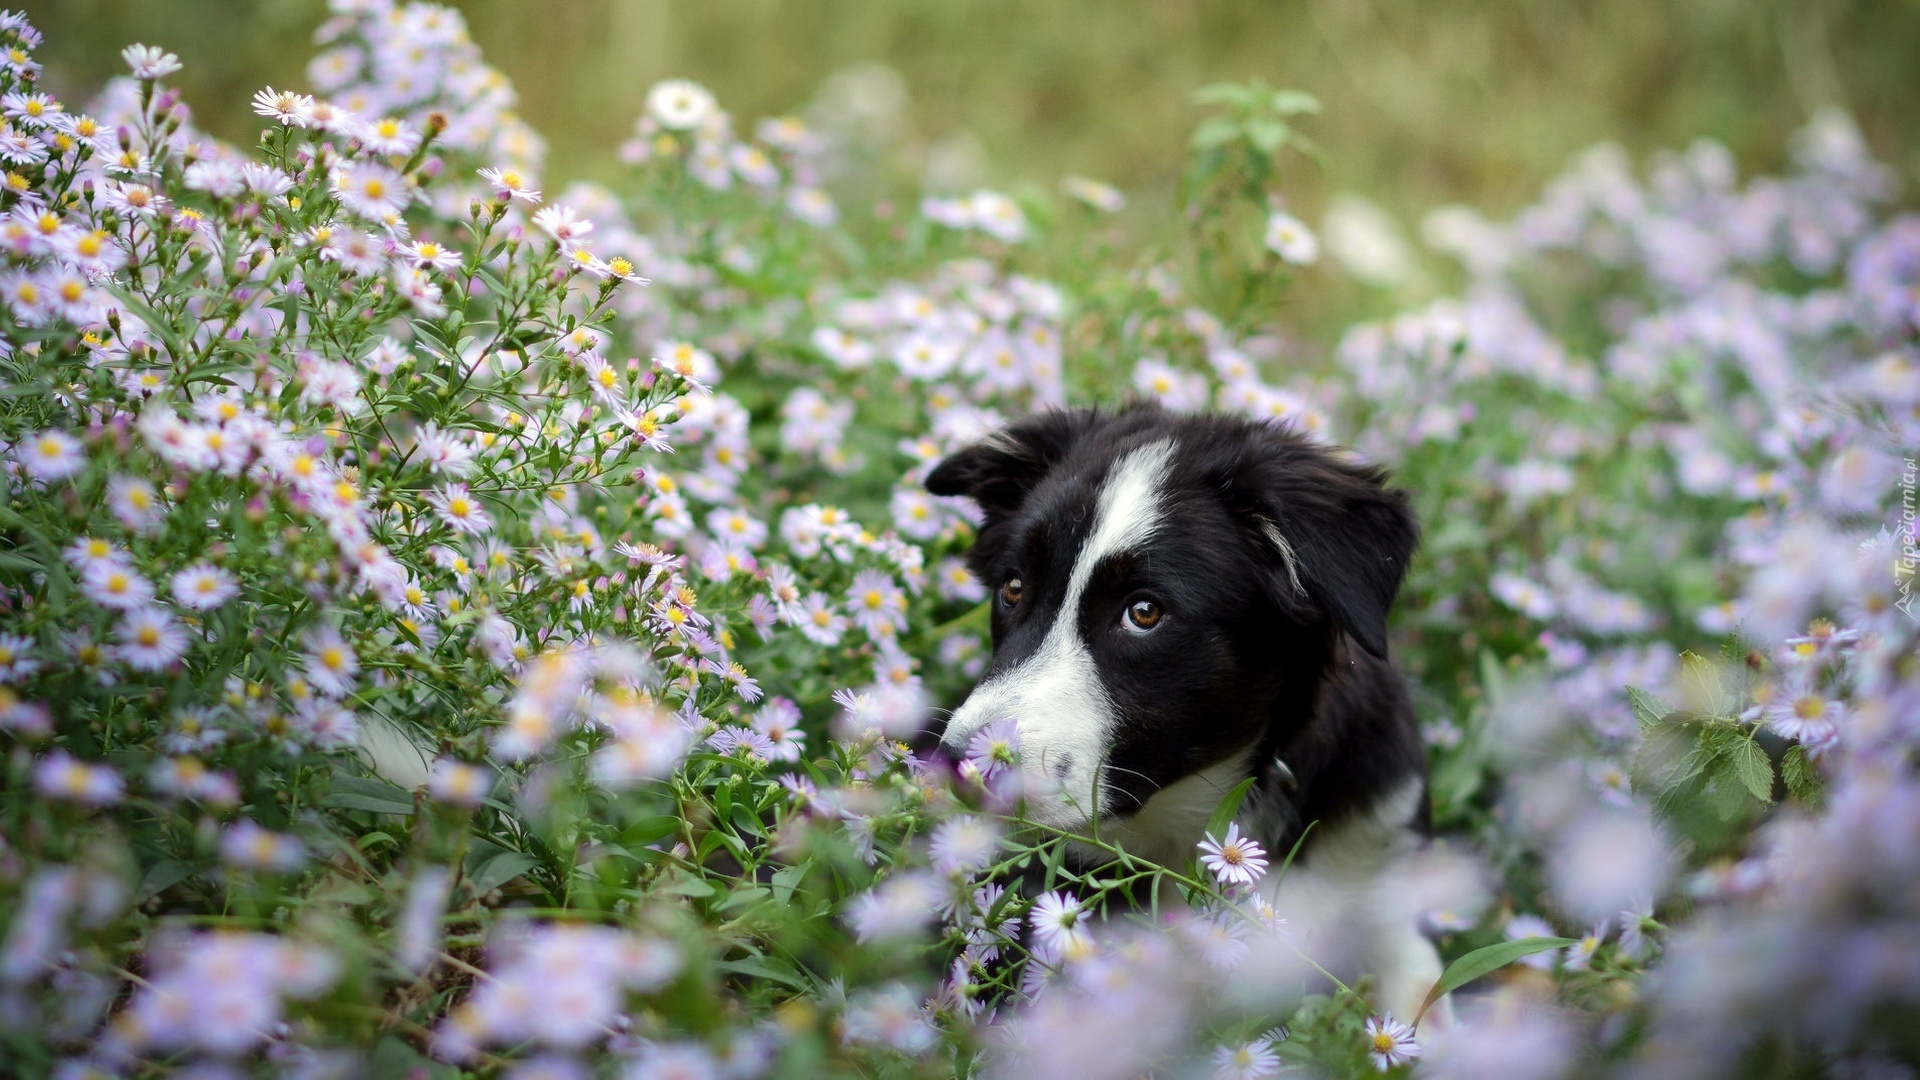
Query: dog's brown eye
{"x": 1011, "y": 591}
{"x": 1143, "y": 615}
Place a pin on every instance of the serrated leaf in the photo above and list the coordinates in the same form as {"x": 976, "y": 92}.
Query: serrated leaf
{"x": 1700, "y": 685}
{"x": 1732, "y": 650}
{"x": 1665, "y": 758}
{"x": 1648, "y": 708}
{"x": 1755, "y": 770}
{"x": 1229, "y": 806}
{"x": 1721, "y": 739}
{"x": 1803, "y": 780}
{"x": 1485, "y": 961}
{"x": 1725, "y": 792}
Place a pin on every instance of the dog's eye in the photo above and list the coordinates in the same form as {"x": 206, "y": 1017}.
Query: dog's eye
{"x": 1142, "y": 616}
{"x": 1011, "y": 591}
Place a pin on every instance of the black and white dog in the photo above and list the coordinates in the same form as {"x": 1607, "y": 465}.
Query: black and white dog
{"x": 1181, "y": 602}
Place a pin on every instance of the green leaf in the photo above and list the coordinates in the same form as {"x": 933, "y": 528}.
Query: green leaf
{"x": 1223, "y": 94}
{"x": 1726, "y": 791}
{"x": 1648, "y": 708}
{"x": 490, "y": 866}
{"x": 742, "y": 896}
{"x": 1755, "y": 770}
{"x": 764, "y": 970}
{"x": 1267, "y": 134}
{"x": 393, "y": 1057}
{"x": 1700, "y": 683}
{"x": 1803, "y": 780}
{"x": 650, "y": 829}
{"x": 1213, "y": 132}
{"x": 362, "y": 793}
{"x": 785, "y": 880}
{"x": 1484, "y": 962}
{"x": 692, "y": 888}
{"x": 1295, "y": 102}
{"x": 1722, "y": 740}
{"x": 1666, "y": 758}
{"x": 10, "y": 560}
{"x": 1229, "y": 806}
{"x": 162, "y": 876}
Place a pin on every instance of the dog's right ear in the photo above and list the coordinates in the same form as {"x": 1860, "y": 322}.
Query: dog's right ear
{"x": 998, "y": 471}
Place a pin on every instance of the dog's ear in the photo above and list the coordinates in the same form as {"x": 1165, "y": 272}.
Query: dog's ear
{"x": 998, "y": 471}
{"x": 1340, "y": 537}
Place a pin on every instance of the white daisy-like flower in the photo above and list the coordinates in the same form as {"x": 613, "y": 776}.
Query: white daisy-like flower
{"x": 88, "y": 551}
{"x": 113, "y": 584}
{"x": 250, "y": 846}
{"x": 135, "y": 503}
{"x": 16, "y": 658}
{"x": 150, "y": 61}
{"x": 62, "y": 776}
{"x": 1100, "y": 196}
{"x": 389, "y": 135}
{"x": 778, "y": 722}
{"x": 203, "y": 587}
{"x": 1390, "y": 1042}
{"x": 1255, "y": 1060}
{"x": 150, "y": 639}
{"x": 562, "y": 223}
{"x": 509, "y": 184}
{"x": 289, "y": 109}
{"x": 330, "y": 663}
{"x": 1236, "y": 860}
{"x": 680, "y": 104}
{"x": 460, "y": 510}
{"x": 1059, "y": 924}
{"x": 372, "y": 190}
{"x": 1289, "y": 238}
{"x": 964, "y": 844}
{"x": 459, "y": 783}
{"x": 50, "y": 455}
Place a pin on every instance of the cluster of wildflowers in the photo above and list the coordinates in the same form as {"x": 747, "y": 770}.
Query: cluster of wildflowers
{"x": 385, "y": 554}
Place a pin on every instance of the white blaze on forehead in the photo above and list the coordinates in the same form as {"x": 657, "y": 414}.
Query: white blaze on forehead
{"x": 1055, "y": 695}
{"x": 1128, "y": 515}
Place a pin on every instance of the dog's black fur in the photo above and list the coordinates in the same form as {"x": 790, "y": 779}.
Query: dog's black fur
{"x": 1274, "y": 565}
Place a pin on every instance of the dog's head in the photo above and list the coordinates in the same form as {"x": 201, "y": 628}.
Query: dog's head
{"x": 1168, "y": 593}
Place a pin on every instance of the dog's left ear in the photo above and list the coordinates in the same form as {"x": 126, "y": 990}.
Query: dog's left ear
{"x": 998, "y": 471}
{"x": 1341, "y": 538}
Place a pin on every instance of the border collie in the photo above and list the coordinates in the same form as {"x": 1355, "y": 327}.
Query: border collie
{"x": 1182, "y": 602}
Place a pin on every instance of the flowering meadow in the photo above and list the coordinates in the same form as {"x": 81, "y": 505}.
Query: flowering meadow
{"x": 454, "y": 626}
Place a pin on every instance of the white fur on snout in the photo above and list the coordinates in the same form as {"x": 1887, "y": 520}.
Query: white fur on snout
{"x": 1055, "y": 696}
{"x": 1169, "y": 827}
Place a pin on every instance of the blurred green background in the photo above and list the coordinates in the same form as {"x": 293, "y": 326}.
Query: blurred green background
{"x": 1427, "y": 101}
